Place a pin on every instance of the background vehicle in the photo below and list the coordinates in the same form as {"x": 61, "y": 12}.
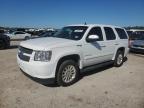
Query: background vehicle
{"x": 72, "y": 50}
{"x": 18, "y": 35}
{"x": 4, "y": 41}
{"x": 134, "y": 34}
{"x": 43, "y": 34}
{"x": 138, "y": 44}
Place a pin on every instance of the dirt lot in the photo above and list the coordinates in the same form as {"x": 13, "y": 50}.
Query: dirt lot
{"x": 102, "y": 88}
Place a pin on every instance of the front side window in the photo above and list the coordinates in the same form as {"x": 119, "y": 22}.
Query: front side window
{"x": 141, "y": 38}
{"x": 122, "y": 34}
{"x": 96, "y": 31}
{"x": 71, "y": 32}
{"x": 135, "y": 36}
{"x": 110, "y": 35}
{"x": 46, "y": 34}
{"x": 19, "y": 33}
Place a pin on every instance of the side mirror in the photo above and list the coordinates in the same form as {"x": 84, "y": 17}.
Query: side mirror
{"x": 92, "y": 38}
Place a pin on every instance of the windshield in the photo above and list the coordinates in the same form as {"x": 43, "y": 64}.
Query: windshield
{"x": 136, "y": 36}
{"x": 47, "y": 34}
{"x": 71, "y": 32}
{"x": 40, "y": 34}
{"x": 140, "y": 38}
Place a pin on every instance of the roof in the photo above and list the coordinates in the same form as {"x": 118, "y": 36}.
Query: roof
{"x": 134, "y": 30}
{"x": 91, "y": 25}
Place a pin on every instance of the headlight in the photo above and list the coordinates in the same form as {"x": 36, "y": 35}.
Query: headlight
{"x": 42, "y": 56}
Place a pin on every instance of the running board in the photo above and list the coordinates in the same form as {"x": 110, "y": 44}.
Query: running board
{"x": 89, "y": 68}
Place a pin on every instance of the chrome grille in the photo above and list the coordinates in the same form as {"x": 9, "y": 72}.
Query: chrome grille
{"x": 23, "y": 51}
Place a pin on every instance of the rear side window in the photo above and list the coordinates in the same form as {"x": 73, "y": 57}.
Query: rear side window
{"x": 110, "y": 35}
{"x": 122, "y": 34}
{"x": 96, "y": 31}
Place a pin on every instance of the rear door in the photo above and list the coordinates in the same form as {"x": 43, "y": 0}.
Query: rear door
{"x": 111, "y": 42}
{"x": 123, "y": 41}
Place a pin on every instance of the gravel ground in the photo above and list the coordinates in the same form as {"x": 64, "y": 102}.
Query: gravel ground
{"x": 107, "y": 87}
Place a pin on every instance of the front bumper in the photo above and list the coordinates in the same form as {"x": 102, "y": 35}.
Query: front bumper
{"x": 37, "y": 69}
{"x": 41, "y": 81}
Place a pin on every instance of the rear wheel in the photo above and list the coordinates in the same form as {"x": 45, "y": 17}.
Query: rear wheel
{"x": 119, "y": 59}
{"x": 68, "y": 73}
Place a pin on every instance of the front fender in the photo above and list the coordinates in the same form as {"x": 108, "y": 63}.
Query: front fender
{"x": 59, "y": 53}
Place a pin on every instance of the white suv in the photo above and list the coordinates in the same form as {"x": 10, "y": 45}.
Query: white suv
{"x": 74, "y": 48}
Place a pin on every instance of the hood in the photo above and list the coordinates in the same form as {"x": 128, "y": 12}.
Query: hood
{"x": 138, "y": 42}
{"x": 46, "y": 43}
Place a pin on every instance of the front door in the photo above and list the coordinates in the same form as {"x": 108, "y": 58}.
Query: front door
{"x": 94, "y": 52}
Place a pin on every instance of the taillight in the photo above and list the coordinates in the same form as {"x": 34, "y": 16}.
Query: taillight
{"x": 130, "y": 42}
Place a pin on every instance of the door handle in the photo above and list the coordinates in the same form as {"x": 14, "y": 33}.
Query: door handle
{"x": 102, "y": 46}
{"x": 79, "y": 45}
{"x": 116, "y": 44}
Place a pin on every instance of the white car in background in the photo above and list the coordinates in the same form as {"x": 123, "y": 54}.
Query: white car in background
{"x": 18, "y": 35}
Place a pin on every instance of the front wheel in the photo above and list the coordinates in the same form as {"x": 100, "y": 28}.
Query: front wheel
{"x": 27, "y": 37}
{"x": 68, "y": 73}
{"x": 119, "y": 59}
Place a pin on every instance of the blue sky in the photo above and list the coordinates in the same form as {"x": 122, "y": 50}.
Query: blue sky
{"x": 57, "y": 13}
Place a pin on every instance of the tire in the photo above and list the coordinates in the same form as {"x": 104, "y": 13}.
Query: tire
{"x": 68, "y": 73}
{"x": 27, "y": 37}
{"x": 2, "y": 45}
{"x": 119, "y": 59}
